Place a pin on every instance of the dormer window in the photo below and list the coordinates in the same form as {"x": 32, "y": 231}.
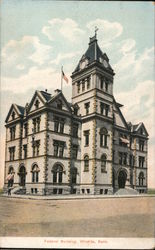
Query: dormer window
{"x": 59, "y": 104}
{"x": 83, "y": 85}
{"x": 13, "y": 115}
{"x": 36, "y": 104}
{"x": 88, "y": 83}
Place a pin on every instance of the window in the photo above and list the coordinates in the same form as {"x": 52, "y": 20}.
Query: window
{"x": 78, "y": 87}
{"x": 36, "y": 146}
{"x": 103, "y": 163}
{"x": 122, "y": 158}
{"x": 36, "y": 104}
{"x": 103, "y": 137}
{"x": 123, "y": 140}
{"x": 141, "y": 145}
{"x": 74, "y": 151}
{"x": 59, "y": 104}
{"x": 86, "y": 134}
{"x": 104, "y": 109}
{"x": 88, "y": 83}
{"x": 35, "y": 173}
{"x": 87, "y": 105}
{"x": 83, "y": 85}
{"x": 12, "y": 153}
{"x": 106, "y": 85}
{"x": 105, "y": 191}
{"x": 141, "y": 179}
{"x": 25, "y": 129}
{"x": 73, "y": 175}
{"x": 58, "y": 148}
{"x": 75, "y": 130}
{"x": 57, "y": 174}
{"x": 12, "y": 132}
{"x": 76, "y": 108}
{"x": 25, "y": 151}
{"x": 101, "y": 191}
{"x": 131, "y": 160}
{"x": 141, "y": 161}
{"x": 59, "y": 124}
{"x": 13, "y": 115}
{"x": 102, "y": 83}
{"x": 86, "y": 163}
{"x": 61, "y": 127}
{"x": 36, "y": 124}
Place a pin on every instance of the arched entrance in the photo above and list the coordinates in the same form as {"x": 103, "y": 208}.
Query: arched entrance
{"x": 122, "y": 179}
{"x": 22, "y": 176}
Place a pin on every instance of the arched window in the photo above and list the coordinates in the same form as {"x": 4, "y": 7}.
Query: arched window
{"x": 57, "y": 174}
{"x": 103, "y": 137}
{"x": 141, "y": 179}
{"x": 36, "y": 104}
{"x": 86, "y": 163}
{"x": 35, "y": 173}
{"x": 103, "y": 163}
{"x": 11, "y": 170}
{"x": 59, "y": 104}
{"x": 73, "y": 175}
{"x": 22, "y": 176}
{"x": 13, "y": 115}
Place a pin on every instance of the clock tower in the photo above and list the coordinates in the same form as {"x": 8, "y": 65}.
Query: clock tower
{"x": 92, "y": 95}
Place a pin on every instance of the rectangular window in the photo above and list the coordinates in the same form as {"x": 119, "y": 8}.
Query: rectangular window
{"x": 83, "y": 85}
{"x": 86, "y": 134}
{"x": 120, "y": 158}
{"x": 36, "y": 146}
{"x": 25, "y": 129}
{"x": 103, "y": 140}
{"x": 74, "y": 151}
{"x": 141, "y": 161}
{"x": 11, "y": 153}
{"x": 12, "y": 132}
{"x": 101, "y": 191}
{"x": 106, "y": 85}
{"x": 78, "y": 87}
{"x": 61, "y": 127}
{"x": 36, "y": 124}
{"x": 87, "y": 105}
{"x": 75, "y": 130}
{"x": 141, "y": 145}
{"x": 102, "y": 83}
{"x": 56, "y": 126}
{"x": 61, "y": 149}
{"x": 58, "y": 148}
{"x": 104, "y": 109}
{"x": 88, "y": 83}
{"x": 25, "y": 151}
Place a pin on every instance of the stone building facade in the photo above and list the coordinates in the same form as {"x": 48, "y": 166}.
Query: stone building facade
{"x": 83, "y": 147}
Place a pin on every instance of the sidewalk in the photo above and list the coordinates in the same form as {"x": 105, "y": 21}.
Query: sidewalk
{"x": 73, "y": 197}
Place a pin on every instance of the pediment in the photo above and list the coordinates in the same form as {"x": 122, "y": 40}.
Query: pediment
{"x": 59, "y": 102}
{"x": 14, "y": 113}
{"x": 37, "y": 102}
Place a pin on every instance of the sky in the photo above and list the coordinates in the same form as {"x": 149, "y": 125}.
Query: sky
{"x": 40, "y": 36}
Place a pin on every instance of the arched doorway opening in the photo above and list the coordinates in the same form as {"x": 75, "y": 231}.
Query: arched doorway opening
{"x": 122, "y": 179}
{"x": 22, "y": 176}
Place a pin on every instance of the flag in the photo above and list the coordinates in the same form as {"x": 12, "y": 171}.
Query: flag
{"x": 64, "y": 77}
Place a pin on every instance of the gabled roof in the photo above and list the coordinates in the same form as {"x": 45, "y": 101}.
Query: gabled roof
{"x": 18, "y": 109}
{"x": 93, "y": 53}
{"x": 58, "y": 95}
{"x": 46, "y": 95}
{"x": 136, "y": 127}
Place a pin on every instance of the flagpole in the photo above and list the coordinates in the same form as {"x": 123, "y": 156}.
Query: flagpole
{"x": 61, "y": 77}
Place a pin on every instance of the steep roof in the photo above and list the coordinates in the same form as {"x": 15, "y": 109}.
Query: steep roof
{"x": 21, "y": 109}
{"x": 46, "y": 95}
{"x": 94, "y": 54}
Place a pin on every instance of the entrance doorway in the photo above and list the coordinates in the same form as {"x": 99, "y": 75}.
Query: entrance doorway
{"x": 22, "y": 176}
{"x": 122, "y": 179}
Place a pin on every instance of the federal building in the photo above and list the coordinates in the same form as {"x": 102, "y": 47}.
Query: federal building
{"x": 83, "y": 147}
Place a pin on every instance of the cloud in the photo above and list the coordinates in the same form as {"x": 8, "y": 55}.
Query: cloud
{"x": 127, "y": 45}
{"x": 36, "y": 78}
{"x": 22, "y": 54}
{"x": 108, "y": 31}
{"x": 61, "y": 57}
{"x": 67, "y": 28}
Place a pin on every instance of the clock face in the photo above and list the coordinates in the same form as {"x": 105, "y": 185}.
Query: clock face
{"x": 105, "y": 63}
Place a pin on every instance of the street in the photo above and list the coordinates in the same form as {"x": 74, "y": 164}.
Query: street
{"x": 107, "y": 217}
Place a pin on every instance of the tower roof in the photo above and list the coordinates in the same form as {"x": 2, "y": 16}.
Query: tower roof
{"x": 94, "y": 54}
